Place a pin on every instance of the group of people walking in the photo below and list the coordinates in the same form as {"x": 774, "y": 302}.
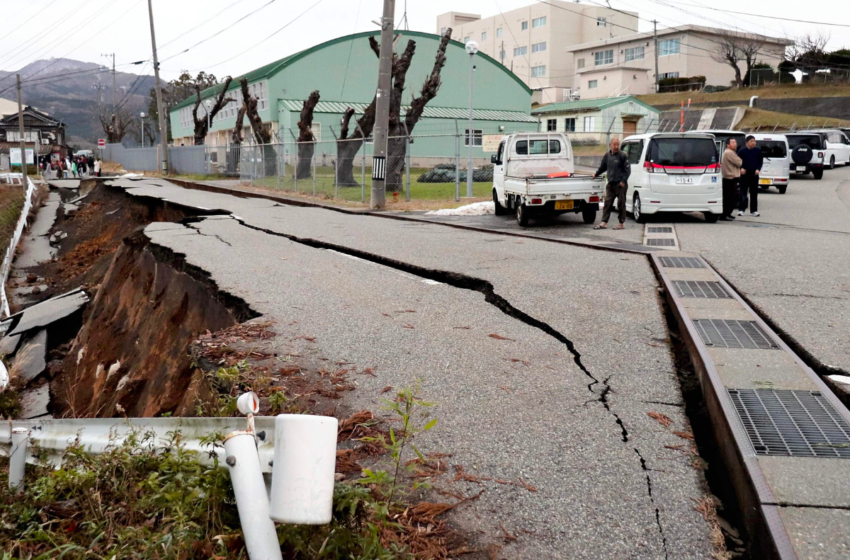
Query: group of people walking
{"x": 76, "y": 166}
{"x": 740, "y": 171}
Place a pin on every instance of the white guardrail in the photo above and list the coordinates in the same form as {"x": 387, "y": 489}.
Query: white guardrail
{"x": 6, "y": 267}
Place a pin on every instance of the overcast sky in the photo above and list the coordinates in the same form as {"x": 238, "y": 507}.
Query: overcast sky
{"x": 85, "y": 29}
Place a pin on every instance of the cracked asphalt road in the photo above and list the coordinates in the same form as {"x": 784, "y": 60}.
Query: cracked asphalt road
{"x": 560, "y": 399}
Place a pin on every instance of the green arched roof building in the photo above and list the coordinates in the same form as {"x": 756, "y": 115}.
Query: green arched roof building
{"x": 345, "y": 71}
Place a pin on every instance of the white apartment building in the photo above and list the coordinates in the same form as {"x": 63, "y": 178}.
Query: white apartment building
{"x": 625, "y": 65}
{"x": 533, "y": 41}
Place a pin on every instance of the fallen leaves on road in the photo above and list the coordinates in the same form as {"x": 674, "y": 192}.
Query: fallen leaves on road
{"x": 387, "y": 389}
{"x": 499, "y": 337}
{"x": 369, "y": 371}
{"x": 461, "y": 474}
{"x": 662, "y": 419}
{"x": 464, "y": 328}
{"x": 507, "y": 536}
{"x": 408, "y": 326}
{"x": 347, "y": 426}
{"x": 518, "y": 361}
{"x": 307, "y": 338}
{"x": 407, "y": 311}
{"x": 684, "y": 435}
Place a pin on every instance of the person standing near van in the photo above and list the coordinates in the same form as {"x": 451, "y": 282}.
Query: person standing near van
{"x": 731, "y": 168}
{"x": 616, "y": 163}
{"x": 751, "y": 163}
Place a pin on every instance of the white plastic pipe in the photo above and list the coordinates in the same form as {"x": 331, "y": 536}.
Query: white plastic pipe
{"x": 303, "y": 469}
{"x": 251, "y": 499}
{"x": 18, "y": 458}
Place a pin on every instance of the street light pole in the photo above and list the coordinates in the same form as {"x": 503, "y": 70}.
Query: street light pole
{"x": 471, "y": 48}
{"x": 208, "y": 104}
{"x": 142, "y": 116}
{"x": 382, "y": 108}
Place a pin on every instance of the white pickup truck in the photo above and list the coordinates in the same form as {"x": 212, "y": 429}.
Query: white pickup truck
{"x": 533, "y": 174}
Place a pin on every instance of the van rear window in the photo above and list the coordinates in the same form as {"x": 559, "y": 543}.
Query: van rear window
{"x": 811, "y": 140}
{"x": 683, "y": 152}
{"x": 538, "y": 147}
{"x": 772, "y": 148}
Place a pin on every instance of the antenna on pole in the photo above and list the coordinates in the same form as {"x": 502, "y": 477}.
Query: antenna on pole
{"x": 403, "y": 21}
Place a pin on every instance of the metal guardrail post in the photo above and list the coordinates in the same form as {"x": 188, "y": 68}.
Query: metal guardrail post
{"x": 313, "y": 163}
{"x": 407, "y": 160}
{"x": 457, "y": 163}
{"x": 18, "y": 458}
{"x": 336, "y": 163}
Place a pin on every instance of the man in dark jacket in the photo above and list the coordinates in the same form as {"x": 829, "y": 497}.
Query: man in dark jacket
{"x": 751, "y": 163}
{"x": 616, "y": 163}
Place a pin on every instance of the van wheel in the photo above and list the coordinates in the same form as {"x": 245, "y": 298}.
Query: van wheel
{"x": 818, "y": 173}
{"x": 500, "y": 210}
{"x": 711, "y": 218}
{"x": 640, "y": 217}
{"x": 782, "y": 189}
{"x": 588, "y": 214}
{"x": 832, "y": 162}
{"x": 521, "y": 215}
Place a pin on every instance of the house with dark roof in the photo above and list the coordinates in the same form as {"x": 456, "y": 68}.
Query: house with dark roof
{"x": 42, "y": 133}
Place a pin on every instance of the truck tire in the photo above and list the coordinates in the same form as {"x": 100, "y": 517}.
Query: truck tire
{"x": 818, "y": 173}
{"x": 782, "y": 189}
{"x": 588, "y": 214}
{"x": 521, "y": 215}
{"x": 640, "y": 217}
{"x": 500, "y": 210}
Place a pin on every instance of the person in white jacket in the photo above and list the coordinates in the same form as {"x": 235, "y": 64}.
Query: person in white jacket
{"x": 97, "y": 168}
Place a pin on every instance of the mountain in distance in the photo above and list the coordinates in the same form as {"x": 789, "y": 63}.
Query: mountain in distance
{"x": 73, "y": 98}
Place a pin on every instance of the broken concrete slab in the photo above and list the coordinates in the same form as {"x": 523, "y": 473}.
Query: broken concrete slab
{"x": 35, "y": 246}
{"x": 64, "y": 183}
{"x": 8, "y": 344}
{"x": 47, "y": 312}
{"x": 34, "y": 402}
{"x": 30, "y": 360}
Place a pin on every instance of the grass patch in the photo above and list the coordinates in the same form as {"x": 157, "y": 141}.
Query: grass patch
{"x": 11, "y": 202}
{"x": 767, "y": 120}
{"x": 744, "y": 94}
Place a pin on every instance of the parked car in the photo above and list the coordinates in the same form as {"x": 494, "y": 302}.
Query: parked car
{"x": 722, "y": 136}
{"x": 534, "y": 175}
{"x": 837, "y": 147}
{"x": 808, "y": 151}
{"x": 674, "y": 172}
{"x": 776, "y": 171}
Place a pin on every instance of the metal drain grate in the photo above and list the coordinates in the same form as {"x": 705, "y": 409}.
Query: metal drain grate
{"x": 700, "y": 289}
{"x": 681, "y": 262}
{"x": 792, "y": 423}
{"x": 659, "y": 229}
{"x": 722, "y": 333}
{"x": 661, "y": 242}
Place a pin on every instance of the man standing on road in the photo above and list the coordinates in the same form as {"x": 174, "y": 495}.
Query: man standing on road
{"x": 731, "y": 166}
{"x": 751, "y": 162}
{"x": 616, "y": 163}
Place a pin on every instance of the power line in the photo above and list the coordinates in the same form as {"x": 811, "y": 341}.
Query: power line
{"x": 27, "y": 21}
{"x": 793, "y": 20}
{"x": 202, "y": 23}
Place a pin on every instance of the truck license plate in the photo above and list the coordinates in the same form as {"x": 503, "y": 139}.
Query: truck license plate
{"x": 564, "y": 204}
{"x": 684, "y": 180}
{"x": 801, "y": 168}
{"x": 764, "y": 181}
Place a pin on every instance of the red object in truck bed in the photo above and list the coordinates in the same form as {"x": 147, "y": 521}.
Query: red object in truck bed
{"x": 559, "y": 174}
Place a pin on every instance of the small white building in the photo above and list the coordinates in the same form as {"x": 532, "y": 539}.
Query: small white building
{"x": 625, "y": 65}
{"x": 598, "y": 120}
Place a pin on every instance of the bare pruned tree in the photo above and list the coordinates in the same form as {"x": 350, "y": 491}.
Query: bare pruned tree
{"x": 202, "y": 121}
{"x": 809, "y": 51}
{"x": 350, "y": 141}
{"x": 732, "y": 48}
{"x": 306, "y": 139}
{"x": 115, "y": 125}
{"x": 262, "y": 134}
{"x": 236, "y": 141}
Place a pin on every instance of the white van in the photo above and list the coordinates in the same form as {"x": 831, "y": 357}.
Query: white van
{"x": 673, "y": 172}
{"x": 837, "y": 147}
{"x": 776, "y": 170}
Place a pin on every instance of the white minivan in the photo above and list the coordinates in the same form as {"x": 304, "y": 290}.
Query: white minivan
{"x": 776, "y": 170}
{"x": 673, "y": 172}
{"x": 837, "y": 147}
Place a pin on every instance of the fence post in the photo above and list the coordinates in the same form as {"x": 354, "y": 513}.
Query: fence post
{"x": 457, "y": 163}
{"x": 336, "y": 162}
{"x": 313, "y": 163}
{"x": 295, "y": 166}
{"x": 407, "y": 159}
{"x": 362, "y": 165}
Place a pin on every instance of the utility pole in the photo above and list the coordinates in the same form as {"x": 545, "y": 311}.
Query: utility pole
{"x": 655, "y": 49}
{"x": 160, "y": 109}
{"x": 114, "y": 127}
{"x": 21, "y": 132}
{"x": 382, "y": 108}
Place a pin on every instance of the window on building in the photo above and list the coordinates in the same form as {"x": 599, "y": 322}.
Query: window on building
{"x": 580, "y": 63}
{"x": 592, "y": 84}
{"x": 524, "y": 25}
{"x": 499, "y": 32}
{"x": 538, "y": 47}
{"x": 551, "y": 125}
{"x": 316, "y": 129}
{"x": 537, "y": 71}
{"x": 570, "y": 124}
{"x": 589, "y": 124}
{"x": 15, "y": 135}
{"x": 466, "y": 39}
{"x": 442, "y": 31}
{"x": 538, "y": 22}
{"x": 671, "y": 46}
{"x": 477, "y": 137}
{"x": 483, "y": 35}
{"x": 520, "y": 51}
{"x": 603, "y": 57}
{"x": 258, "y": 90}
{"x": 635, "y": 53}
{"x": 666, "y": 75}
{"x": 602, "y": 22}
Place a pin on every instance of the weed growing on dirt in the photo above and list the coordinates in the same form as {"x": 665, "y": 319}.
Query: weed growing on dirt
{"x": 10, "y": 404}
